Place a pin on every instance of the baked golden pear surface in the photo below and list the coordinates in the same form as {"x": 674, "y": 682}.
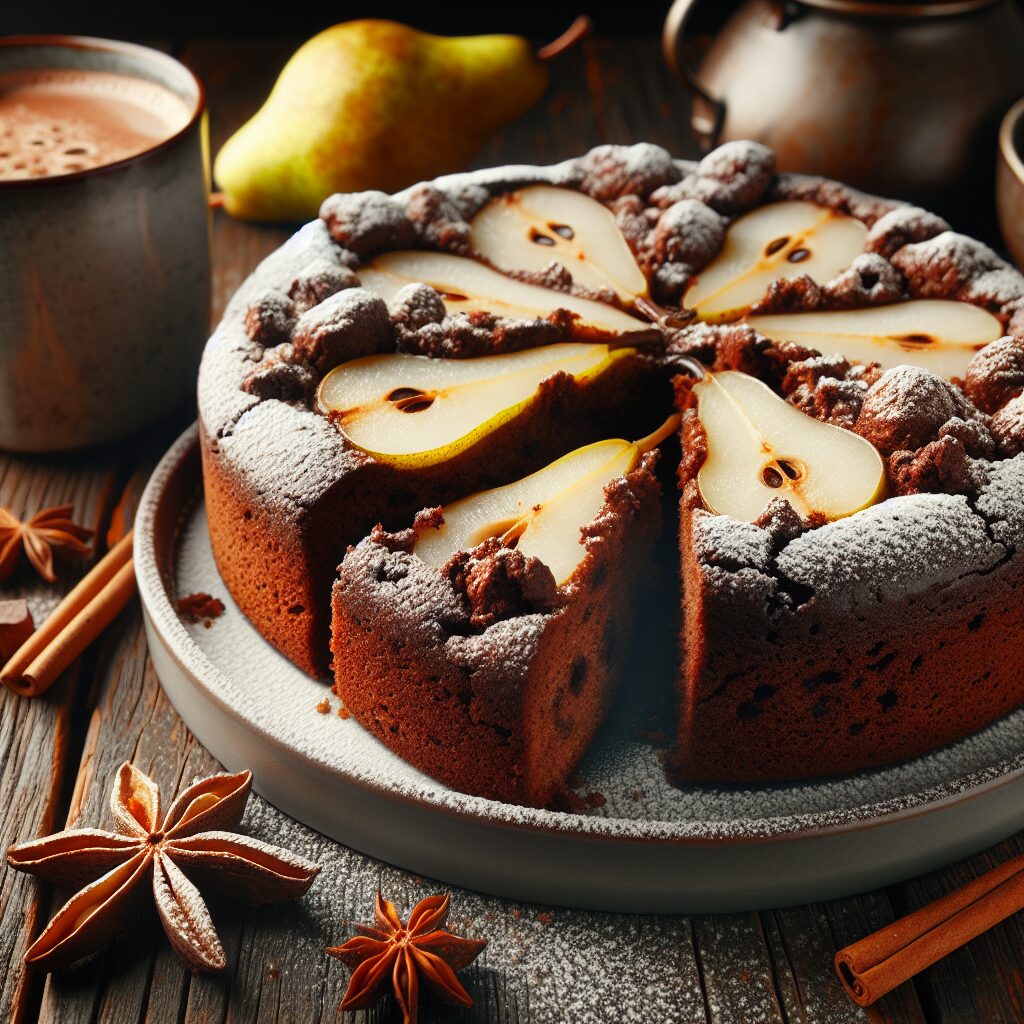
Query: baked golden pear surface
{"x": 530, "y": 228}
{"x": 940, "y": 335}
{"x": 542, "y": 514}
{"x": 466, "y": 285}
{"x": 760, "y": 447}
{"x": 774, "y": 242}
{"x": 415, "y": 411}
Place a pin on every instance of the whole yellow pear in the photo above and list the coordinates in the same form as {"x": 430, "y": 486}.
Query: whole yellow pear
{"x": 373, "y": 104}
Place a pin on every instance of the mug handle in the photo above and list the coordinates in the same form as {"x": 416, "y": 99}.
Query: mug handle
{"x": 708, "y": 111}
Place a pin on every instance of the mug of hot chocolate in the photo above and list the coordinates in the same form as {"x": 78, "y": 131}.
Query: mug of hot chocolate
{"x": 104, "y": 239}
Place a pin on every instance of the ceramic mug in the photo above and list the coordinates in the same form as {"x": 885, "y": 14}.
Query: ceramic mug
{"x": 1010, "y": 181}
{"x": 104, "y": 272}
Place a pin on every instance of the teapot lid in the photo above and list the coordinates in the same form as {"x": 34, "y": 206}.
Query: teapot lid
{"x": 897, "y": 9}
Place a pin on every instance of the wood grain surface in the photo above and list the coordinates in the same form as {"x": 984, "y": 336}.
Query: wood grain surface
{"x": 546, "y": 965}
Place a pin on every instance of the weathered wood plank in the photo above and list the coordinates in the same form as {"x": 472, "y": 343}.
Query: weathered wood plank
{"x": 35, "y": 734}
{"x": 736, "y": 970}
{"x": 803, "y": 941}
{"x": 604, "y": 91}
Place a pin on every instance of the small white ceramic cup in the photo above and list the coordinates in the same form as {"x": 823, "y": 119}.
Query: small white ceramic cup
{"x": 104, "y": 273}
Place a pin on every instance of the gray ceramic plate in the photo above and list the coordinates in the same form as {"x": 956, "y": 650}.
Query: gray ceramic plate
{"x": 649, "y": 847}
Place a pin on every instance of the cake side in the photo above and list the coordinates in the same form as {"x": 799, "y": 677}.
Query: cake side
{"x": 870, "y": 640}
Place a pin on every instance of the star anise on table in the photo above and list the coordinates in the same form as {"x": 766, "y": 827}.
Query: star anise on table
{"x": 51, "y": 528}
{"x": 190, "y": 844}
{"x": 404, "y": 953}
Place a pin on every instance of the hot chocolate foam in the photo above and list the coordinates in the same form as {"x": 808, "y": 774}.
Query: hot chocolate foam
{"x": 58, "y": 121}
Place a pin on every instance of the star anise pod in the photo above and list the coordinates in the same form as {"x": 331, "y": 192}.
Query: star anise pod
{"x": 404, "y": 953}
{"x": 190, "y": 842}
{"x": 46, "y": 530}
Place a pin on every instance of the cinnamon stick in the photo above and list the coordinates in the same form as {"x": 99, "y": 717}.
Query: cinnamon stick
{"x": 83, "y": 614}
{"x": 877, "y": 964}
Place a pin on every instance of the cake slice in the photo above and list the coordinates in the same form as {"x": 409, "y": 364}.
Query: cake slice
{"x": 289, "y": 486}
{"x": 835, "y": 617}
{"x": 482, "y": 644}
{"x": 866, "y": 641}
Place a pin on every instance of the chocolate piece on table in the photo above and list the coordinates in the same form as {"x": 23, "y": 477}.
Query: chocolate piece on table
{"x": 16, "y": 626}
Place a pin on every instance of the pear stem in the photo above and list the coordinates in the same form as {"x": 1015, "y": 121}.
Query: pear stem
{"x": 694, "y": 367}
{"x": 578, "y": 30}
{"x": 662, "y": 318}
{"x": 667, "y": 429}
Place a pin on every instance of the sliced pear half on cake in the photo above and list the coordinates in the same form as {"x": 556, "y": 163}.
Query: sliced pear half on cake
{"x": 774, "y": 242}
{"x": 527, "y": 229}
{"x": 760, "y": 447}
{"x": 416, "y": 411}
{"x": 467, "y": 285}
{"x": 542, "y": 514}
{"x": 941, "y": 335}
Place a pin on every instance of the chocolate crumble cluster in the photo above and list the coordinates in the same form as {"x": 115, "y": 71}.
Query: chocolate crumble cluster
{"x": 937, "y": 436}
{"x": 494, "y": 582}
{"x": 498, "y": 582}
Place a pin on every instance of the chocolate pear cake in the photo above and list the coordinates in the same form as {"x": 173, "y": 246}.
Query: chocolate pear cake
{"x": 419, "y": 424}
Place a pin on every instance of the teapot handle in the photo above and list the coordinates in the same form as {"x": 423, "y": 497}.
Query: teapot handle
{"x": 708, "y": 111}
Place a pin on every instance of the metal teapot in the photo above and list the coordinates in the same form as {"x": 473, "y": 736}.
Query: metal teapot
{"x": 897, "y": 98}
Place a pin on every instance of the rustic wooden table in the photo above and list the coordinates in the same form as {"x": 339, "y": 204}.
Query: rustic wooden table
{"x": 58, "y": 754}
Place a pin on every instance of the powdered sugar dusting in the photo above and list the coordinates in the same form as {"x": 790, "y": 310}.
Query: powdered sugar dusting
{"x": 292, "y": 456}
{"x": 906, "y": 545}
{"x": 623, "y": 764}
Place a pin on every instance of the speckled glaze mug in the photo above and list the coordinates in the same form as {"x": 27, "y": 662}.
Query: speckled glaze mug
{"x": 104, "y": 272}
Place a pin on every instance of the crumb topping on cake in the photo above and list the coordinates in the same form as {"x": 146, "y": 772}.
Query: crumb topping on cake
{"x": 996, "y": 374}
{"x": 730, "y": 179}
{"x": 907, "y": 407}
{"x": 303, "y": 311}
{"x": 498, "y": 582}
{"x": 609, "y": 172}
{"x": 347, "y": 325}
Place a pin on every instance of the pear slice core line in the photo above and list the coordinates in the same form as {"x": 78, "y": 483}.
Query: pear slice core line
{"x": 530, "y": 228}
{"x": 467, "y": 285}
{"x": 542, "y": 515}
{"x": 759, "y": 447}
{"x": 416, "y": 411}
{"x": 776, "y": 242}
{"x": 940, "y": 335}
